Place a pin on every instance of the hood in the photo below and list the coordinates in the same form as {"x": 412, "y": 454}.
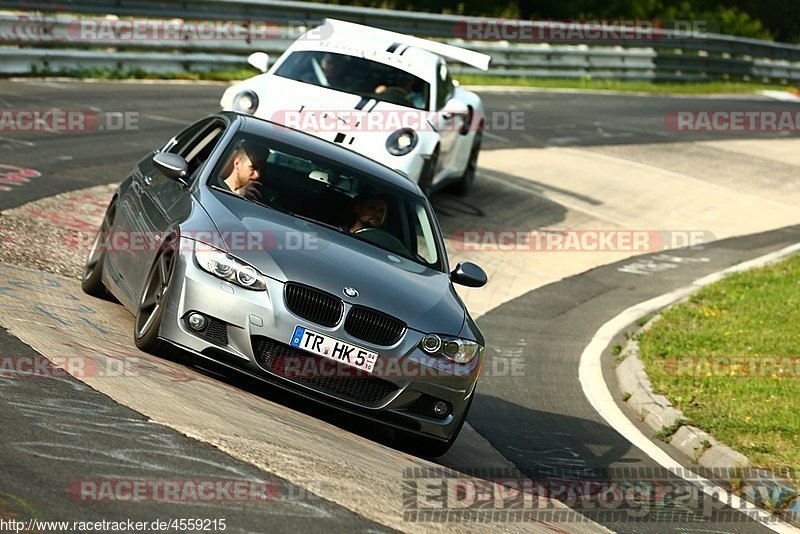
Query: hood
{"x": 356, "y": 123}
{"x": 300, "y": 251}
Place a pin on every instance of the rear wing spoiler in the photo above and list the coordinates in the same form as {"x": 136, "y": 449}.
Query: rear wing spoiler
{"x": 461, "y": 55}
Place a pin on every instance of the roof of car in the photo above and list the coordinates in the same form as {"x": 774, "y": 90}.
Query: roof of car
{"x": 326, "y": 149}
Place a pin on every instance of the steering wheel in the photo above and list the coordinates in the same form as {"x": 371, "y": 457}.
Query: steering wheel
{"x": 382, "y": 238}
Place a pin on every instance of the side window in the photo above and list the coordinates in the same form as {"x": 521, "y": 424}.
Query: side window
{"x": 444, "y": 85}
{"x": 196, "y": 143}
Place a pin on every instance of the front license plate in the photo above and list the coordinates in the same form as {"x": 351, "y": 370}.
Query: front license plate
{"x": 333, "y": 349}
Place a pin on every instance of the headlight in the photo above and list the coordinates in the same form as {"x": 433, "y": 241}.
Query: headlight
{"x": 401, "y": 142}
{"x": 227, "y": 267}
{"x": 245, "y": 102}
{"x": 454, "y": 349}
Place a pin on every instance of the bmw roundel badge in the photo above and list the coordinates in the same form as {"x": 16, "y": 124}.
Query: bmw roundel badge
{"x": 350, "y": 292}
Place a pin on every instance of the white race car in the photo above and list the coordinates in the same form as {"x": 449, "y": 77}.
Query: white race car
{"x": 385, "y": 95}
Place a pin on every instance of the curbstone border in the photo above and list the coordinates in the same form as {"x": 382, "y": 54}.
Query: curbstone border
{"x": 758, "y": 486}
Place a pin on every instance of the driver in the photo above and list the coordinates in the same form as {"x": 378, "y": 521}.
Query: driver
{"x": 371, "y": 212}
{"x": 245, "y": 171}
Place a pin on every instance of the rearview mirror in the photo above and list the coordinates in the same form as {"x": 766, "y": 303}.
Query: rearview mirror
{"x": 468, "y": 274}
{"x": 259, "y": 60}
{"x": 171, "y": 165}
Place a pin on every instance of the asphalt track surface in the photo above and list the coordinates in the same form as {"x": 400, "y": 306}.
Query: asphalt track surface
{"x": 540, "y": 421}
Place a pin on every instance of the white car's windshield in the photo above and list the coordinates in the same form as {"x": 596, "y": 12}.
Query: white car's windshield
{"x": 310, "y": 187}
{"x": 358, "y": 76}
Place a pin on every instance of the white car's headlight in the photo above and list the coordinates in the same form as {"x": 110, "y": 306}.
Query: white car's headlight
{"x": 227, "y": 267}
{"x": 401, "y": 142}
{"x": 245, "y": 102}
{"x": 453, "y": 348}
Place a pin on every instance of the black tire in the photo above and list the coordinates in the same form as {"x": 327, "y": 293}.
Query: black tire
{"x": 464, "y": 184}
{"x": 155, "y": 295}
{"x": 92, "y": 278}
{"x": 429, "y": 447}
{"x": 428, "y": 172}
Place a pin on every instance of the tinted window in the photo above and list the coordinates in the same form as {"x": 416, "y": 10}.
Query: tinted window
{"x": 323, "y": 191}
{"x": 358, "y": 76}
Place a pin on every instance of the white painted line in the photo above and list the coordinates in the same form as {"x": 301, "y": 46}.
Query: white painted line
{"x": 502, "y": 89}
{"x": 599, "y": 396}
{"x": 783, "y": 96}
{"x": 159, "y": 118}
{"x": 17, "y": 141}
{"x": 494, "y": 136}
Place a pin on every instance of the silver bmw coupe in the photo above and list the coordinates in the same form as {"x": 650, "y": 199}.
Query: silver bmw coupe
{"x": 297, "y": 262}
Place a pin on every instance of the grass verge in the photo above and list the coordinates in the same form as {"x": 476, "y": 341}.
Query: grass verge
{"x": 719, "y": 87}
{"x": 729, "y": 358}
{"x": 465, "y": 79}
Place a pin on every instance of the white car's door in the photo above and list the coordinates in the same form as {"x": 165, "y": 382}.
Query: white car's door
{"x": 452, "y": 117}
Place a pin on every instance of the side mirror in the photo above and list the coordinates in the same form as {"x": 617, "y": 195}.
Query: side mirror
{"x": 259, "y": 60}
{"x": 172, "y": 166}
{"x": 468, "y": 274}
{"x": 454, "y": 106}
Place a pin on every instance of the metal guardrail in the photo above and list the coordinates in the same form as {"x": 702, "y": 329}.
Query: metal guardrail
{"x": 648, "y": 54}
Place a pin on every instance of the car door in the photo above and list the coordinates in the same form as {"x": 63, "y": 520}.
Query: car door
{"x": 162, "y": 203}
{"x": 449, "y": 123}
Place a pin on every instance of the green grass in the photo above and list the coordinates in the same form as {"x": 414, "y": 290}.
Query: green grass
{"x": 751, "y": 315}
{"x": 464, "y": 79}
{"x": 140, "y": 74}
{"x": 621, "y": 85}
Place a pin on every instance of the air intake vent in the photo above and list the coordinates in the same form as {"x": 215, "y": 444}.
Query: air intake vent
{"x": 314, "y": 305}
{"x": 319, "y": 373}
{"x": 373, "y": 326}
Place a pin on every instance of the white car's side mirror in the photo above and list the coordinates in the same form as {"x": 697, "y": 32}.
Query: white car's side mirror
{"x": 259, "y": 60}
{"x": 454, "y": 106}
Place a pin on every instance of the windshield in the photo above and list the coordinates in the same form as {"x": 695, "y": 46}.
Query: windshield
{"x": 325, "y": 192}
{"x": 358, "y": 76}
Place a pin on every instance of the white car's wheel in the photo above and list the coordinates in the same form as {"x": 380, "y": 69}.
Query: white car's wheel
{"x": 468, "y": 178}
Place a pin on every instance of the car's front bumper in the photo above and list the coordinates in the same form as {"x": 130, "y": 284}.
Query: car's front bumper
{"x": 251, "y": 332}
